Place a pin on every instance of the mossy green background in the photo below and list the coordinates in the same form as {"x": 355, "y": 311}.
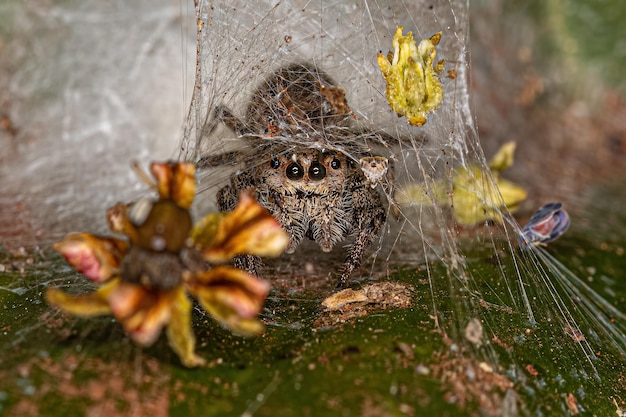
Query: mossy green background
{"x": 52, "y": 364}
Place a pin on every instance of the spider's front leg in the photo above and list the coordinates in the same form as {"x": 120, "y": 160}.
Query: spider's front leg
{"x": 289, "y": 211}
{"x": 369, "y": 217}
{"x": 331, "y": 223}
{"x": 223, "y": 159}
{"x": 389, "y": 188}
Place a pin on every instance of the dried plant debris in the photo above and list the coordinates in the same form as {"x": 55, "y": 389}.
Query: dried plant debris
{"x": 474, "y": 332}
{"x": 349, "y": 303}
{"x": 144, "y": 279}
{"x": 474, "y": 197}
{"x": 466, "y": 381}
{"x": 413, "y": 86}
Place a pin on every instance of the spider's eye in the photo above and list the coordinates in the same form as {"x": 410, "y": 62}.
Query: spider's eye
{"x": 317, "y": 171}
{"x": 275, "y": 163}
{"x": 295, "y": 171}
{"x": 335, "y": 163}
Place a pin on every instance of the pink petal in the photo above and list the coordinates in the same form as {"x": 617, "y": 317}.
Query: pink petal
{"x": 142, "y": 312}
{"x": 97, "y": 258}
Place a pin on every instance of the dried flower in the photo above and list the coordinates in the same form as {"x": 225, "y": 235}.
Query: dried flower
{"x": 476, "y": 197}
{"x": 413, "y": 86}
{"x": 144, "y": 279}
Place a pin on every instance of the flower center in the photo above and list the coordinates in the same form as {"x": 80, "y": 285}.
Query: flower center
{"x": 166, "y": 228}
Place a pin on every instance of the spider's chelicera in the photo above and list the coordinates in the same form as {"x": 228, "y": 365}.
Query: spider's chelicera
{"x": 310, "y": 170}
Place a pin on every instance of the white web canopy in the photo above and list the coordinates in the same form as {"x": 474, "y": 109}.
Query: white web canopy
{"x": 240, "y": 45}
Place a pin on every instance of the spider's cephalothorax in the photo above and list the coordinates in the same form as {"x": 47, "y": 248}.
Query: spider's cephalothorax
{"x": 306, "y": 167}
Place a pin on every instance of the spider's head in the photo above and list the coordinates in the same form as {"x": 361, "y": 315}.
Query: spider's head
{"x": 308, "y": 171}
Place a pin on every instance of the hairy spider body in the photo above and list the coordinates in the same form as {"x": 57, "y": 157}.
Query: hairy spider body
{"x": 313, "y": 188}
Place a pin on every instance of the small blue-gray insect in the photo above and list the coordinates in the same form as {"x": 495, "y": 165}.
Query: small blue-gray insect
{"x": 545, "y": 225}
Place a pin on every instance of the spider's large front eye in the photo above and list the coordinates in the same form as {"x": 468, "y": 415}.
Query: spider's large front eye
{"x": 275, "y": 163}
{"x": 295, "y": 171}
{"x": 317, "y": 171}
{"x": 335, "y": 163}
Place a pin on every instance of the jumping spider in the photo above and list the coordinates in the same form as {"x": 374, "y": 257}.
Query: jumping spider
{"x": 312, "y": 173}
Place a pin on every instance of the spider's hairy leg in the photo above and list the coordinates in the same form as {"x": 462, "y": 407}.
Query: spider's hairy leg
{"x": 389, "y": 188}
{"x": 226, "y": 116}
{"x": 369, "y": 217}
{"x": 227, "y": 198}
{"x": 331, "y": 223}
{"x": 223, "y": 116}
{"x": 249, "y": 263}
{"x": 290, "y": 212}
{"x": 221, "y": 159}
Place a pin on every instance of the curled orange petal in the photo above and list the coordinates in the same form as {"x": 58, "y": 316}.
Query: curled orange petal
{"x": 231, "y": 296}
{"x": 142, "y": 312}
{"x": 176, "y": 181}
{"x": 179, "y": 334}
{"x": 98, "y": 258}
{"x": 85, "y": 305}
{"x": 248, "y": 229}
